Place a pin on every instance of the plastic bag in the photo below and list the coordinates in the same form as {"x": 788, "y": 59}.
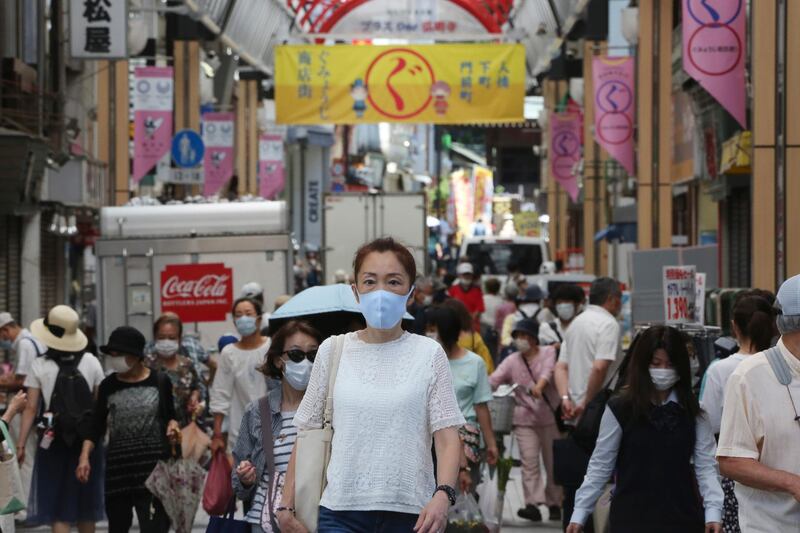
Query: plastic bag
{"x": 465, "y": 516}
{"x": 491, "y": 499}
{"x": 218, "y": 493}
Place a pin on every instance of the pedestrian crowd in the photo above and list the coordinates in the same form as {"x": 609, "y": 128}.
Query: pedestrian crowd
{"x": 383, "y": 426}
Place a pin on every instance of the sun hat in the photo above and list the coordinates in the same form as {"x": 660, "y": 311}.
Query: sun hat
{"x": 526, "y": 325}
{"x": 789, "y": 296}
{"x": 125, "y": 340}
{"x": 59, "y": 330}
{"x": 6, "y": 319}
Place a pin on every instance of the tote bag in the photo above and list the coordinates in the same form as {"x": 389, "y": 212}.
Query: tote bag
{"x": 12, "y": 497}
{"x": 313, "y": 448}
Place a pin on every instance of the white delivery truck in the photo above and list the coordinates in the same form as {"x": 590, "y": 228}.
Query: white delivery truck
{"x": 352, "y": 219}
{"x": 191, "y": 259}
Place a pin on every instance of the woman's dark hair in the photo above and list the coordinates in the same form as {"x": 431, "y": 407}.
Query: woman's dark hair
{"x": 569, "y": 292}
{"x": 755, "y": 318}
{"x": 492, "y": 285}
{"x": 461, "y": 312}
{"x": 168, "y": 318}
{"x": 254, "y": 303}
{"x": 447, "y": 324}
{"x": 383, "y": 245}
{"x": 276, "y": 349}
{"x": 639, "y": 390}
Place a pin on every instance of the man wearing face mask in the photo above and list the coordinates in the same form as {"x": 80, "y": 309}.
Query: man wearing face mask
{"x": 422, "y": 300}
{"x": 468, "y": 292}
{"x": 567, "y": 299}
{"x": 529, "y": 305}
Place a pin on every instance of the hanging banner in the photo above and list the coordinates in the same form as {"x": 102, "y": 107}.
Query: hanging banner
{"x": 614, "y": 102}
{"x": 679, "y": 294}
{"x": 439, "y": 84}
{"x": 484, "y": 193}
{"x": 714, "y": 50}
{"x": 462, "y": 194}
{"x": 98, "y": 29}
{"x": 565, "y": 150}
{"x": 152, "y": 116}
{"x": 218, "y": 157}
{"x": 270, "y": 165}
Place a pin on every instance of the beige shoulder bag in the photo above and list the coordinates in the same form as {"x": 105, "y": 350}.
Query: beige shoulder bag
{"x": 313, "y": 452}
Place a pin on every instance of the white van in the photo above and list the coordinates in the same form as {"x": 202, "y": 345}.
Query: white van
{"x": 492, "y": 256}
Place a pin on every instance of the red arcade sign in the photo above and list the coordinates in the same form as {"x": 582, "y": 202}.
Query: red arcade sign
{"x": 197, "y": 293}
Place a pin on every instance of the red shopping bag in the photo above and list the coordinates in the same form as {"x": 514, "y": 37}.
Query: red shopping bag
{"x": 218, "y": 492}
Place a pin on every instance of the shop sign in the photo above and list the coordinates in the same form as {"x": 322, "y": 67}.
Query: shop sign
{"x": 679, "y": 294}
{"x": 152, "y": 117}
{"x": 714, "y": 43}
{"x": 700, "y": 297}
{"x": 418, "y": 18}
{"x": 218, "y": 157}
{"x": 270, "y": 165}
{"x": 98, "y": 29}
{"x": 186, "y": 176}
{"x": 197, "y": 293}
{"x": 565, "y": 150}
{"x": 614, "y": 103}
{"x": 439, "y": 84}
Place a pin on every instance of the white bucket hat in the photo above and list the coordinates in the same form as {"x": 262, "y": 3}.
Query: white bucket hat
{"x": 59, "y": 330}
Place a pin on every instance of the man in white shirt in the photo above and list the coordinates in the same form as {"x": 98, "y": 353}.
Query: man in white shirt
{"x": 759, "y": 442}
{"x": 591, "y": 349}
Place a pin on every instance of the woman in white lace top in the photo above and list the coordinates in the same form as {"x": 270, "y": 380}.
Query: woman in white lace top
{"x": 393, "y": 396}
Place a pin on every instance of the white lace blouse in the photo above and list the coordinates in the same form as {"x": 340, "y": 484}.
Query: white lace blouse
{"x": 388, "y": 401}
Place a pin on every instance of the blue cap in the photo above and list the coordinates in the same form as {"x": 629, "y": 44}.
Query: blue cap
{"x": 789, "y": 296}
{"x": 225, "y": 340}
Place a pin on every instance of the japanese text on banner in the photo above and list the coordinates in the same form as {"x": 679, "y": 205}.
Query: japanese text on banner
{"x": 679, "y": 294}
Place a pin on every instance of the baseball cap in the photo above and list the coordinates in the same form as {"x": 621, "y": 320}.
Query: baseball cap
{"x": 252, "y": 290}
{"x": 789, "y": 296}
{"x": 6, "y": 319}
{"x": 464, "y": 268}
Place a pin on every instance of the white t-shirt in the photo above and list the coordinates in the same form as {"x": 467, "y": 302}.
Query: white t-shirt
{"x": 594, "y": 334}
{"x": 26, "y": 349}
{"x": 712, "y": 392}
{"x": 388, "y": 401}
{"x": 548, "y": 336}
{"x": 236, "y": 384}
{"x": 758, "y": 423}
{"x": 490, "y": 302}
{"x": 44, "y": 372}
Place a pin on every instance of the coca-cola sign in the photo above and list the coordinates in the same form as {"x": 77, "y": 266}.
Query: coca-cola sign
{"x": 197, "y": 293}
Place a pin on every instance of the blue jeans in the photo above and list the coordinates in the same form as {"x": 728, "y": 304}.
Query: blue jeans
{"x": 365, "y": 521}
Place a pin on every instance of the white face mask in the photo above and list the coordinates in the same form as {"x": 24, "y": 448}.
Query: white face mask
{"x": 117, "y": 363}
{"x": 427, "y": 299}
{"x": 565, "y": 311}
{"x": 166, "y": 347}
{"x": 522, "y": 345}
{"x": 664, "y": 378}
{"x": 297, "y": 375}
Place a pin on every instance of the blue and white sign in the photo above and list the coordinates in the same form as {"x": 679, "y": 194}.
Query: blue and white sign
{"x": 187, "y": 149}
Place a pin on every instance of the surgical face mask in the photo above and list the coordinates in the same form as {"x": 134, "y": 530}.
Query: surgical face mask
{"x": 117, "y": 363}
{"x": 166, "y": 347}
{"x": 664, "y": 378}
{"x": 383, "y": 309}
{"x": 427, "y": 299}
{"x": 565, "y": 312}
{"x": 465, "y": 282}
{"x": 245, "y": 325}
{"x": 6, "y": 344}
{"x": 522, "y": 345}
{"x": 298, "y": 374}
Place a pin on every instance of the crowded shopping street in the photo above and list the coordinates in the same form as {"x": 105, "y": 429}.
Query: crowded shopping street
{"x": 399, "y": 266}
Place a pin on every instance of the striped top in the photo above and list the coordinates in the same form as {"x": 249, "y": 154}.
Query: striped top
{"x": 282, "y": 450}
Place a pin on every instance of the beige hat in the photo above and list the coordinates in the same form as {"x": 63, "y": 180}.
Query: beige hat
{"x": 59, "y": 330}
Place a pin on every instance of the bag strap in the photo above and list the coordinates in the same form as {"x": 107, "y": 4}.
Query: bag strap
{"x": 268, "y": 443}
{"x": 332, "y": 371}
{"x": 779, "y": 366}
{"x": 35, "y": 346}
{"x": 554, "y": 327}
{"x": 544, "y": 396}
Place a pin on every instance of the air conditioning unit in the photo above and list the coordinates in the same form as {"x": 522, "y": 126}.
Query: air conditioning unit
{"x": 80, "y": 182}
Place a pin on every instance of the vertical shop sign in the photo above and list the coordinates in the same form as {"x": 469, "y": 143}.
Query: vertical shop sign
{"x": 565, "y": 150}
{"x": 218, "y": 157}
{"x": 152, "y": 116}
{"x": 270, "y": 165}
{"x": 98, "y": 29}
{"x": 613, "y": 107}
{"x": 679, "y": 294}
{"x": 714, "y": 50}
{"x": 700, "y": 298}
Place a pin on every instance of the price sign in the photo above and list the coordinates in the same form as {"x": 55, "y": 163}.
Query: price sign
{"x": 679, "y": 294}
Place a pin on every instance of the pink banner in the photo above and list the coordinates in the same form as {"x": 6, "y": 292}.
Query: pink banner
{"x": 565, "y": 150}
{"x": 270, "y": 165}
{"x": 613, "y": 107}
{"x": 152, "y": 107}
{"x": 218, "y": 158}
{"x": 713, "y": 50}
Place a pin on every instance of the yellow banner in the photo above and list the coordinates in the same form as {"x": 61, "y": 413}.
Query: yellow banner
{"x": 439, "y": 84}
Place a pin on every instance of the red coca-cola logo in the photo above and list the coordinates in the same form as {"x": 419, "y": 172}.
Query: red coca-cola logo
{"x": 197, "y": 293}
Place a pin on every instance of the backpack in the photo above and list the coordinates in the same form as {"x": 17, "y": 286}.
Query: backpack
{"x": 72, "y": 403}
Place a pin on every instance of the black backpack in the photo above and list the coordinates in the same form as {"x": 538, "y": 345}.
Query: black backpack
{"x": 72, "y": 403}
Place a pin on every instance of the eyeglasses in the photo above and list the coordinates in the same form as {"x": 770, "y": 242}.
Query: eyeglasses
{"x": 297, "y": 355}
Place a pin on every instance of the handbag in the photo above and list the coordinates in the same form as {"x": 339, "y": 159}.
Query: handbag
{"x": 227, "y": 524}
{"x": 12, "y": 496}
{"x": 313, "y": 452}
{"x": 269, "y": 524}
{"x": 218, "y": 492}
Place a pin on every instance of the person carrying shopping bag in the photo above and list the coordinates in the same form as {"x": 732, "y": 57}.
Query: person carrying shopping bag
{"x": 12, "y": 493}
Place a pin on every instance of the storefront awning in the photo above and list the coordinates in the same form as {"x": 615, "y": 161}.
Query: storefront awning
{"x": 736, "y": 154}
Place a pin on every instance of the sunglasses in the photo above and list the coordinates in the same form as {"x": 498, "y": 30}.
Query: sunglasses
{"x": 298, "y": 355}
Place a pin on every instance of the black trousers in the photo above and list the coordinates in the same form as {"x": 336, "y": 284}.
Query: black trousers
{"x": 569, "y": 506}
{"x": 151, "y": 514}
